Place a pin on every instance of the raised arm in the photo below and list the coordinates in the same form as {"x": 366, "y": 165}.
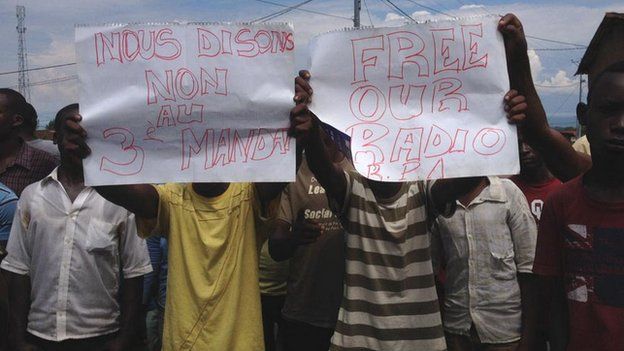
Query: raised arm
{"x": 140, "y": 199}
{"x": 562, "y": 160}
{"x": 305, "y": 126}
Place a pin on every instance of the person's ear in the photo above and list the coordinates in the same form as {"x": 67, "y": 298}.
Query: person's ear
{"x": 581, "y": 113}
{"x": 55, "y": 137}
{"x": 18, "y": 120}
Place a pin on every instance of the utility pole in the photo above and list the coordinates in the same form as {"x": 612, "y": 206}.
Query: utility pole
{"x": 578, "y": 125}
{"x": 357, "y": 6}
{"x": 23, "y": 85}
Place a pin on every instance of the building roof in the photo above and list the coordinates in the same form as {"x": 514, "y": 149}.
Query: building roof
{"x": 610, "y": 21}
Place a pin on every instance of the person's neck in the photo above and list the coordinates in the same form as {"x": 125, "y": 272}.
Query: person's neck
{"x": 605, "y": 180}
{"x": 210, "y": 189}
{"x": 70, "y": 173}
{"x": 9, "y": 146}
{"x": 467, "y": 198}
{"x": 384, "y": 190}
{"x": 539, "y": 175}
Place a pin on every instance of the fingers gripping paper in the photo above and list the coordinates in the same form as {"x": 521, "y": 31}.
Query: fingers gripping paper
{"x": 186, "y": 102}
{"x": 422, "y": 101}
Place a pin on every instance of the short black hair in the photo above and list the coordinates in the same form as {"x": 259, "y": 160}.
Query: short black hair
{"x": 17, "y": 104}
{"x": 617, "y": 67}
{"x": 61, "y": 115}
{"x": 31, "y": 120}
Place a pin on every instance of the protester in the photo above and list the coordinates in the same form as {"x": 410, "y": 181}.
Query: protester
{"x": 155, "y": 292}
{"x": 63, "y": 290}
{"x": 581, "y": 228}
{"x": 389, "y": 301}
{"x": 273, "y": 277}
{"x": 213, "y": 297}
{"x": 311, "y": 236}
{"x": 535, "y": 180}
{"x": 488, "y": 247}
{"x": 580, "y": 234}
{"x": 20, "y": 164}
{"x": 27, "y": 132}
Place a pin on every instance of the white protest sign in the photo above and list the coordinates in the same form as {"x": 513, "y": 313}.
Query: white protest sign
{"x": 422, "y": 101}
{"x": 186, "y": 102}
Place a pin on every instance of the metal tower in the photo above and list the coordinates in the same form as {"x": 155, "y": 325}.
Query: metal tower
{"x": 23, "y": 83}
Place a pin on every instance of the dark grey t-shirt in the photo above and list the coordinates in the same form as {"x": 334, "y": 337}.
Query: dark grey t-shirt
{"x": 316, "y": 270}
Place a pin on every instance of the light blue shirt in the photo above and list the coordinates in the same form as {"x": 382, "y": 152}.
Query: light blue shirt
{"x": 8, "y": 203}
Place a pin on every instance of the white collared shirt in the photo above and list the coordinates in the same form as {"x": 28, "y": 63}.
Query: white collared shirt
{"x": 74, "y": 254}
{"x": 485, "y": 245}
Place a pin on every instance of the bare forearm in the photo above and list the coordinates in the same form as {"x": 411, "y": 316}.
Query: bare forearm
{"x": 326, "y": 172}
{"x": 131, "y": 296}
{"x": 140, "y": 199}
{"x": 529, "y": 296}
{"x": 562, "y": 160}
{"x": 19, "y": 300}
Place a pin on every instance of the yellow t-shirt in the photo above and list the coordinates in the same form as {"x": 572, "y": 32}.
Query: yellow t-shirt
{"x": 213, "y": 299}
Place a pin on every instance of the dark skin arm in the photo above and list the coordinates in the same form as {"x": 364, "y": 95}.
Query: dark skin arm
{"x": 284, "y": 240}
{"x": 305, "y": 127}
{"x": 131, "y": 296}
{"x": 552, "y": 302}
{"x": 524, "y": 105}
{"x": 19, "y": 300}
{"x": 140, "y": 199}
{"x": 529, "y": 296}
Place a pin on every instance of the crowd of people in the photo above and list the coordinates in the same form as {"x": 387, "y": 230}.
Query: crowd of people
{"x": 332, "y": 261}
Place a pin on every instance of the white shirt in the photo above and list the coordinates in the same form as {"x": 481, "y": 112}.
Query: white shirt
{"x": 73, "y": 253}
{"x": 485, "y": 245}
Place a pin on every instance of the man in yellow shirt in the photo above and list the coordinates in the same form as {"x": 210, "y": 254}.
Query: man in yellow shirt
{"x": 213, "y": 297}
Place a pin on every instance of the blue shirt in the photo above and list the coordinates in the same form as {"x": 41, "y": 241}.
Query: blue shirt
{"x": 8, "y": 203}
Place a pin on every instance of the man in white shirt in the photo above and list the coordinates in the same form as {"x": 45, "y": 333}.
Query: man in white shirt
{"x": 68, "y": 249}
{"x": 487, "y": 248}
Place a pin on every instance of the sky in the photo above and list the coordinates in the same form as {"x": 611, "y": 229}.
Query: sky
{"x": 50, "y": 35}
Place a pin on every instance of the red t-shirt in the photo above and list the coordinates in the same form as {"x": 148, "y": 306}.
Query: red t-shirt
{"x": 582, "y": 240}
{"x": 536, "y": 194}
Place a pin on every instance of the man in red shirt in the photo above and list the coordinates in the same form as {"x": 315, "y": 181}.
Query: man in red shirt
{"x": 581, "y": 234}
{"x": 535, "y": 180}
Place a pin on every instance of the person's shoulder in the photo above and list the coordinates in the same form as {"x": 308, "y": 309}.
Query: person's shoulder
{"x": 567, "y": 192}
{"x": 510, "y": 186}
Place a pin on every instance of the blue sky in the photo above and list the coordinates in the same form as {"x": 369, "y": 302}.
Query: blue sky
{"x": 50, "y": 34}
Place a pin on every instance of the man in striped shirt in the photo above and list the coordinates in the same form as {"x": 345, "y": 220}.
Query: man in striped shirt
{"x": 389, "y": 300}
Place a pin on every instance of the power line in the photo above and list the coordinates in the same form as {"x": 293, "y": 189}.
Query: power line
{"x": 389, "y": 2}
{"x": 52, "y": 81}
{"x": 369, "y": 15}
{"x": 430, "y": 8}
{"x": 305, "y": 10}
{"x": 557, "y": 49}
{"x": 281, "y": 12}
{"x": 38, "y": 68}
{"x": 554, "y": 41}
{"x": 564, "y": 102}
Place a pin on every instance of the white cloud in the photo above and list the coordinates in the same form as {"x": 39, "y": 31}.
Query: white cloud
{"x": 471, "y": 6}
{"x": 536, "y": 64}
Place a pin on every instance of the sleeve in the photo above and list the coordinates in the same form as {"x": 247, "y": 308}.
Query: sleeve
{"x": 18, "y": 258}
{"x": 523, "y": 229}
{"x": 134, "y": 256}
{"x": 341, "y": 212}
{"x": 285, "y": 212}
{"x": 548, "y": 253}
{"x": 7, "y": 212}
{"x": 160, "y": 225}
